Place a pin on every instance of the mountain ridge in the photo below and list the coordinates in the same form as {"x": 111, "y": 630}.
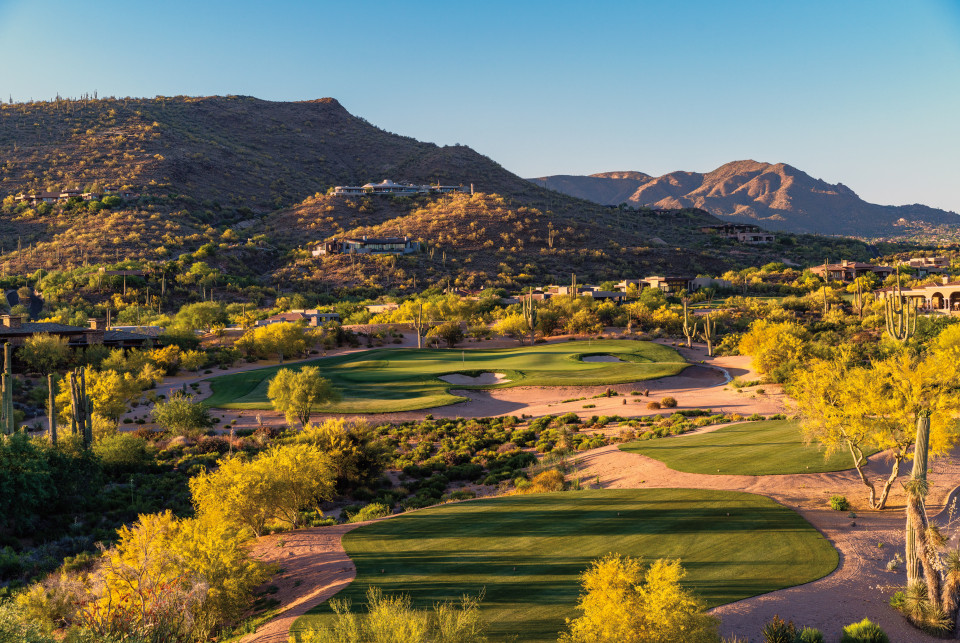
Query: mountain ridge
{"x": 776, "y": 196}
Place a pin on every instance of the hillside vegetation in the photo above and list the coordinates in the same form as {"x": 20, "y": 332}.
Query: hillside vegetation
{"x": 241, "y": 184}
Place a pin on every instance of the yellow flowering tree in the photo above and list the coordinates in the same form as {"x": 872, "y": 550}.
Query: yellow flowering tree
{"x": 625, "y": 602}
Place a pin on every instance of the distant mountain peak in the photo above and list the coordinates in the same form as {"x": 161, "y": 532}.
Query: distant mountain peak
{"x": 778, "y": 196}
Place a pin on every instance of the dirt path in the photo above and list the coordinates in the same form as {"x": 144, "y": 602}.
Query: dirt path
{"x": 314, "y": 568}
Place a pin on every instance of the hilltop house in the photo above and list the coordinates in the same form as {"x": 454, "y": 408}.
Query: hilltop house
{"x": 742, "y": 232}
{"x": 399, "y": 189}
{"x": 927, "y": 265}
{"x": 368, "y": 245}
{"x": 36, "y": 198}
{"x": 847, "y": 271}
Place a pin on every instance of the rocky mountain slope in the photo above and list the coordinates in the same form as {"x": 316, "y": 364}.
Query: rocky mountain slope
{"x": 775, "y": 196}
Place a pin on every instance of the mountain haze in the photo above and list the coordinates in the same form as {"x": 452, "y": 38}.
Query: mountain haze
{"x": 774, "y": 196}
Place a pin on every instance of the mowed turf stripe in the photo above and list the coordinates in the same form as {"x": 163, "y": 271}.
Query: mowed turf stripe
{"x": 527, "y": 552}
{"x": 769, "y": 447}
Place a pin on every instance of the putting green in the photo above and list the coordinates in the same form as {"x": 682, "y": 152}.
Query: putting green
{"x": 404, "y": 379}
{"x": 527, "y": 552}
{"x": 771, "y": 447}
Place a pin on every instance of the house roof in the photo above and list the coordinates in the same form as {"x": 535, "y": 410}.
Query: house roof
{"x": 123, "y": 335}
{"x": 31, "y": 328}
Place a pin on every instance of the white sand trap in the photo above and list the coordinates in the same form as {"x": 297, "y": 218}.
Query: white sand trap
{"x": 601, "y": 358}
{"x": 482, "y": 379}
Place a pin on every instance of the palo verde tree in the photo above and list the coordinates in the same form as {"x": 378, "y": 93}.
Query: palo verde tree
{"x": 298, "y": 393}
{"x": 44, "y": 353}
{"x": 848, "y": 407}
{"x": 625, "y": 602}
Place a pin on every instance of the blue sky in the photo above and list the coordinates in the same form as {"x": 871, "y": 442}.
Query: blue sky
{"x": 866, "y": 93}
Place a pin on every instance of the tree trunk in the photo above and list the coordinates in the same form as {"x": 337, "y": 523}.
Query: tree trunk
{"x": 894, "y": 473}
{"x": 858, "y": 461}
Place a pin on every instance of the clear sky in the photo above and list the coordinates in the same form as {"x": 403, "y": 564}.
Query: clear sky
{"x": 863, "y": 92}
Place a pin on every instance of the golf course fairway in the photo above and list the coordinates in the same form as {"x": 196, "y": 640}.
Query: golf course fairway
{"x": 404, "y": 379}
{"x": 525, "y": 553}
{"x": 771, "y": 447}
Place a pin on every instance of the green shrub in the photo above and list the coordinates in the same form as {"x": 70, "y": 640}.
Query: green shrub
{"x": 369, "y": 512}
{"x": 810, "y": 635}
{"x": 122, "y": 452}
{"x": 653, "y": 405}
{"x": 839, "y": 503}
{"x": 669, "y": 402}
{"x": 778, "y": 631}
{"x": 864, "y": 632}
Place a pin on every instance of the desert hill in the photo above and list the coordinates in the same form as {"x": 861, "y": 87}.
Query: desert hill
{"x": 235, "y": 150}
{"x": 240, "y": 184}
{"x": 775, "y": 196}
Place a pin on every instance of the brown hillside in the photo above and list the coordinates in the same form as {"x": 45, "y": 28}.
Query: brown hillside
{"x": 235, "y": 150}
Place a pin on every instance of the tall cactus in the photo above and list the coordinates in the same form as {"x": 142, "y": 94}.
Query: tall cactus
{"x": 530, "y": 315}
{"x": 918, "y": 482}
{"x": 52, "y": 408}
{"x": 689, "y": 330}
{"x": 709, "y": 333}
{"x": 7, "y": 423}
{"x": 901, "y": 318}
{"x": 81, "y": 407}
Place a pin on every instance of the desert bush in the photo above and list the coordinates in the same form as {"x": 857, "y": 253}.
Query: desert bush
{"x": 182, "y": 416}
{"x": 653, "y": 405}
{"x": 776, "y": 630}
{"x": 839, "y": 503}
{"x": 810, "y": 635}
{"x": 668, "y": 402}
{"x": 864, "y": 632}
{"x": 122, "y": 452}
{"x": 393, "y": 618}
{"x": 369, "y": 512}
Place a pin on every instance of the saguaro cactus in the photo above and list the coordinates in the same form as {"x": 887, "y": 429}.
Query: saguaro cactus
{"x": 901, "y": 318}
{"x": 7, "y": 424}
{"x": 709, "y": 333}
{"x": 52, "y": 408}
{"x": 689, "y": 330}
{"x": 918, "y": 480}
{"x": 81, "y": 419}
{"x": 530, "y": 315}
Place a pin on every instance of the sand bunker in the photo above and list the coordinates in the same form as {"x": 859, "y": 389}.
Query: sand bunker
{"x": 482, "y": 379}
{"x": 601, "y": 358}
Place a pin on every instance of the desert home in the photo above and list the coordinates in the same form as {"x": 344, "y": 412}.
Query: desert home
{"x": 36, "y": 198}
{"x": 847, "y": 271}
{"x": 402, "y": 189}
{"x": 311, "y": 317}
{"x": 927, "y": 265}
{"x": 15, "y": 331}
{"x": 742, "y": 232}
{"x": 937, "y": 297}
{"x": 368, "y": 245}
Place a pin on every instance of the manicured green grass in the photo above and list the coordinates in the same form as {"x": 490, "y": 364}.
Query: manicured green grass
{"x": 527, "y": 552}
{"x": 403, "y": 379}
{"x": 764, "y": 448}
